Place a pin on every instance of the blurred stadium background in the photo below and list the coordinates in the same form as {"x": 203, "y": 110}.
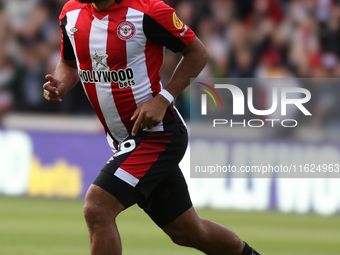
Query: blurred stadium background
{"x": 50, "y": 152}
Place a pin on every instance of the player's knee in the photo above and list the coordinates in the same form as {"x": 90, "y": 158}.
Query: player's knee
{"x": 182, "y": 238}
{"x": 190, "y": 235}
{"x": 100, "y": 207}
{"x": 94, "y": 214}
{"x": 91, "y": 212}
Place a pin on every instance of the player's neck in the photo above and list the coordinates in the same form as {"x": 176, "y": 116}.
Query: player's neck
{"x": 102, "y": 5}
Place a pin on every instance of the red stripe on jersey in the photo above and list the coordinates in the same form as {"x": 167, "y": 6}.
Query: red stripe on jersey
{"x": 82, "y": 41}
{"x": 153, "y": 52}
{"x": 116, "y": 50}
{"x": 146, "y": 154}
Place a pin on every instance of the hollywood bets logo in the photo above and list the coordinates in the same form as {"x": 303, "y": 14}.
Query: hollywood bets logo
{"x": 238, "y": 106}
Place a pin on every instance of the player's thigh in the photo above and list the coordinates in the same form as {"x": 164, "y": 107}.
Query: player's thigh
{"x": 169, "y": 200}
{"x": 101, "y": 204}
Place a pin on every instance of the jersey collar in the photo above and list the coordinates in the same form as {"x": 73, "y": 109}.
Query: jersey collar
{"x": 101, "y": 14}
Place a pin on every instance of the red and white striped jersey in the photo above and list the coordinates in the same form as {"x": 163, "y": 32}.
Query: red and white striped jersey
{"x": 119, "y": 53}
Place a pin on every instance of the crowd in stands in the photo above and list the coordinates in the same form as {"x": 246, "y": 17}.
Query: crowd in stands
{"x": 245, "y": 39}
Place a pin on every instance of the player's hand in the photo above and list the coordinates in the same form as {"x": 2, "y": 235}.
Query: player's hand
{"x": 149, "y": 113}
{"x": 54, "y": 89}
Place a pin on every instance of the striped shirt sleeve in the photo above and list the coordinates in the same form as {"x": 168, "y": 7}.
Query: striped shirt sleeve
{"x": 66, "y": 46}
{"x": 161, "y": 25}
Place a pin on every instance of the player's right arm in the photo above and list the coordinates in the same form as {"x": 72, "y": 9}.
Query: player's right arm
{"x": 66, "y": 75}
{"x": 63, "y": 80}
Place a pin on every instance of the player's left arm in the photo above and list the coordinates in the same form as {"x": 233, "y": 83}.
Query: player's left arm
{"x": 151, "y": 112}
{"x": 195, "y": 57}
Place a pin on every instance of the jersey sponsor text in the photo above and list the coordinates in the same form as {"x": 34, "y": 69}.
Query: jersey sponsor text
{"x": 124, "y": 77}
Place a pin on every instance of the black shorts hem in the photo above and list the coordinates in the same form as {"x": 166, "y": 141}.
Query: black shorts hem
{"x": 118, "y": 188}
{"x": 165, "y": 211}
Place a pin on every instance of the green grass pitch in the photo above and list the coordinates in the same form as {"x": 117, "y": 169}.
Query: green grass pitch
{"x": 56, "y": 227}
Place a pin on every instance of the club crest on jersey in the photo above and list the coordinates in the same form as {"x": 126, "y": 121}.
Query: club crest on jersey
{"x": 126, "y": 30}
{"x": 177, "y": 22}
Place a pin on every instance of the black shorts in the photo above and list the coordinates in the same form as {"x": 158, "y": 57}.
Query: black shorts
{"x": 145, "y": 171}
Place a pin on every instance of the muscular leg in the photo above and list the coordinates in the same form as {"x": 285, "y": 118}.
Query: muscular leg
{"x": 100, "y": 212}
{"x": 204, "y": 235}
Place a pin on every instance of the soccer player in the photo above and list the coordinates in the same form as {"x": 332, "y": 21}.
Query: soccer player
{"x": 116, "y": 49}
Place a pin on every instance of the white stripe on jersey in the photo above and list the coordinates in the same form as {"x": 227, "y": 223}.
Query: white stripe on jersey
{"x": 135, "y": 56}
{"x": 72, "y": 18}
{"x": 98, "y": 42}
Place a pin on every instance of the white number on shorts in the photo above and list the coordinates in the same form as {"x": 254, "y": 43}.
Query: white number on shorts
{"x": 125, "y": 147}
